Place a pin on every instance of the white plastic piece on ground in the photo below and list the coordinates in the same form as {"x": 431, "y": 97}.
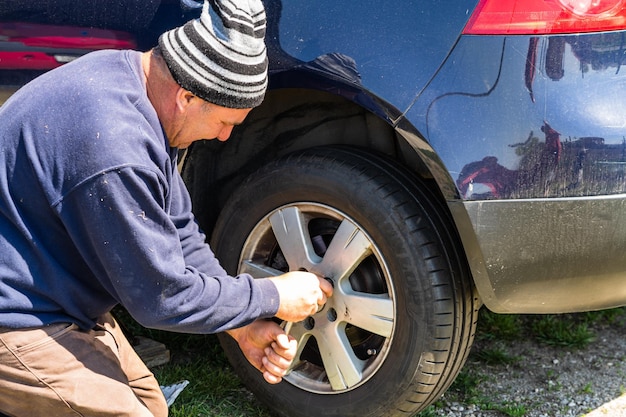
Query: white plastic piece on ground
{"x": 171, "y": 392}
{"x": 615, "y": 408}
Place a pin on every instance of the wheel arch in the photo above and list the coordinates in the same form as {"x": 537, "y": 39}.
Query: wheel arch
{"x": 301, "y": 117}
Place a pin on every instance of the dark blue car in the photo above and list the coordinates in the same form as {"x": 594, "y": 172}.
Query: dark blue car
{"x": 427, "y": 157}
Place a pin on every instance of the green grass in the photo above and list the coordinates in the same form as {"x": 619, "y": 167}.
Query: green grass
{"x": 562, "y": 332}
{"x": 496, "y": 356}
{"x": 216, "y": 391}
{"x": 574, "y": 331}
{"x": 499, "y": 326}
{"x": 467, "y": 386}
{"x": 513, "y": 410}
{"x": 429, "y": 412}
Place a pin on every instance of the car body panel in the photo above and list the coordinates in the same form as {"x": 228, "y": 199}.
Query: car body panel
{"x": 33, "y": 46}
{"x": 546, "y": 255}
{"x": 534, "y": 116}
{"x": 394, "y": 63}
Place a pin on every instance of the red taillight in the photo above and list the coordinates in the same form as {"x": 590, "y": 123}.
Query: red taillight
{"x": 517, "y": 17}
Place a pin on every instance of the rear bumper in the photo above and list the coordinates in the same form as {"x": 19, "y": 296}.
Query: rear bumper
{"x": 546, "y": 255}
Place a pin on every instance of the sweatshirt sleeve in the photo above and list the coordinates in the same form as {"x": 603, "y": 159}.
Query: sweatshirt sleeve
{"x": 153, "y": 259}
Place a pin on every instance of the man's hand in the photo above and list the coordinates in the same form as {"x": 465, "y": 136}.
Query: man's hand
{"x": 264, "y": 343}
{"x": 301, "y": 294}
{"x": 267, "y": 348}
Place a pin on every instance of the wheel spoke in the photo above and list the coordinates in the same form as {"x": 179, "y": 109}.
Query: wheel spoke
{"x": 293, "y": 238}
{"x": 258, "y": 270}
{"x": 371, "y": 312}
{"x": 343, "y": 367}
{"x": 346, "y": 251}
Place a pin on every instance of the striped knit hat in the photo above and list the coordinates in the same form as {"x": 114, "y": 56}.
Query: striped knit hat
{"x": 221, "y": 56}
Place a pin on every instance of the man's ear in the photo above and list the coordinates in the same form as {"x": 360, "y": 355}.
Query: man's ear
{"x": 183, "y": 99}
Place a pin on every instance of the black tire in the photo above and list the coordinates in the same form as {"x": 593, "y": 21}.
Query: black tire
{"x": 401, "y": 321}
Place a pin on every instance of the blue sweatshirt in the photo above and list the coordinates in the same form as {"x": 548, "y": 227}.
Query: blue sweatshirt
{"x": 93, "y": 211}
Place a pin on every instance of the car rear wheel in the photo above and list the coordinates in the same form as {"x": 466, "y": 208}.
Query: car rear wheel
{"x": 401, "y": 320}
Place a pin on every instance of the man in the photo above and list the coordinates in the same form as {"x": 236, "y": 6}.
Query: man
{"x": 93, "y": 213}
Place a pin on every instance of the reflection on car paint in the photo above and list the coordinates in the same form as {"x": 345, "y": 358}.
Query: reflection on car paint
{"x": 559, "y": 167}
{"x": 577, "y": 149}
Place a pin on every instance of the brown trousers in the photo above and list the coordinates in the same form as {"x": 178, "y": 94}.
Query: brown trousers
{"x": 59, "y": 370}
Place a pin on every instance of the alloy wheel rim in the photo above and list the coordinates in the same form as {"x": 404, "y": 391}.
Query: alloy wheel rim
{"x": 345, "y": 342}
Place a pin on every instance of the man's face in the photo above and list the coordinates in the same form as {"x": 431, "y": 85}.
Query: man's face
{"x": 198, "y": 120}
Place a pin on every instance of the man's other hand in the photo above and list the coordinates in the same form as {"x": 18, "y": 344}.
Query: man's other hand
{"x": 267, "y": 347}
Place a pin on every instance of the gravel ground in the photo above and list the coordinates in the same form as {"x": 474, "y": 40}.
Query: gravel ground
{"x": 546, "y": 381}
